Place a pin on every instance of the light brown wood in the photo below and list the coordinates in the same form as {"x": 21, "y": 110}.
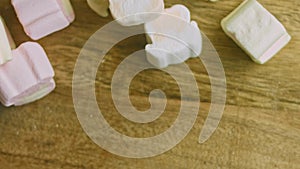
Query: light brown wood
{"x": 260, "y": 127}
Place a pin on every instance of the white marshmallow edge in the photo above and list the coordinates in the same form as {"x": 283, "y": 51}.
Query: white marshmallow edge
{"x": 6, "y": 43}
{"x": 256, "y": 31}
{"x": 135, "y": 12}
{"x": 173, "y": 37}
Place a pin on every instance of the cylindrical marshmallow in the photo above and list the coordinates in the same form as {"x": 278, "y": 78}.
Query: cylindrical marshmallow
{"x": 43, "y": 17}
{"x": 28, "y": 77}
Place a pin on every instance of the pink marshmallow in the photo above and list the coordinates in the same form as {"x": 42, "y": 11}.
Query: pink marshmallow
{"x": 28, "y": 77}
{"x": 43, "y": 17}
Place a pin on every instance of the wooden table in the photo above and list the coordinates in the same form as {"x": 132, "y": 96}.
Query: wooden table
{"x": 260, "y": 127}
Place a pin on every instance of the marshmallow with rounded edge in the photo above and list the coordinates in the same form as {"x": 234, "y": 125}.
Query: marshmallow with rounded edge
{"x": 99, "y": 6}
{"x": 6, "y": 43}
{"x": 174, "y": 37}
{"x": 43, "y": 17}
{"x": 129, "y": 12}
{"x": 9, "y": 37}
{"x": 256, "y": 31}
{"x": 26, "y": 78}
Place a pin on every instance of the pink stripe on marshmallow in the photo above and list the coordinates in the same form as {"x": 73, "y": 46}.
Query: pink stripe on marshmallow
{"x": 43, "y": 17}
{"x": 28, "y": 77}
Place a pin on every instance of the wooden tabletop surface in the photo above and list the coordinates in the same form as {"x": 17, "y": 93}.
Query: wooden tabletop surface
{"x": 260, "y": 127}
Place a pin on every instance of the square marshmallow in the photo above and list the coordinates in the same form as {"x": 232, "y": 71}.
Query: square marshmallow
{"x": 256, "y": 31}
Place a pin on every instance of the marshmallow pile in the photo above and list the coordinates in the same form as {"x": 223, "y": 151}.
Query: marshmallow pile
{"x": 251, "y": 26}
{"x": 172, "y": 36}
{"x": 26, "y": 74}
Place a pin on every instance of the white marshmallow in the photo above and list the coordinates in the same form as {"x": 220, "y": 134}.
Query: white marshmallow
{"x": 174, "y": 37}
{"x": 256, "y": 31}
{"x": 122, "y": 9}
{"x": 10, "y": 39}
{"x": 5, "y": 43}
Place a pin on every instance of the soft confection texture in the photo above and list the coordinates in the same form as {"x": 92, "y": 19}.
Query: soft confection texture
{"x": 43, "y": 17}
{"x": 28, "y": 77}
{"x": 256, "y": 31}
{"x": 129, "y": 12}
{"x": 173, "y": 36}
{"x": 10, "y": 39}
{"x": 99, "y": 6}
{"x": 5, "y": 49}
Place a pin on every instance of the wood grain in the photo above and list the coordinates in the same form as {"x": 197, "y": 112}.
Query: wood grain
{"x": 260, "y": 127}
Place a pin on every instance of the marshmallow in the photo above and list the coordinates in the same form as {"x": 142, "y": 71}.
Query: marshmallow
{"x": 43, "y": 17}
{"x": 10, "y": 39}
{"x": 99, "y": 6}
{"x": 174, "y": 37}
{"x": 5, "y": 43}
{"x": 129, "y": 12}
{"x": 28, "y": 77}
{"x": 256, "y": 31}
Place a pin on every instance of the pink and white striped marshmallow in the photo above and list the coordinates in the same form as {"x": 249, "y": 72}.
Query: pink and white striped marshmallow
{"x": 28, "y": 77}
{"x": 43, "y": 17}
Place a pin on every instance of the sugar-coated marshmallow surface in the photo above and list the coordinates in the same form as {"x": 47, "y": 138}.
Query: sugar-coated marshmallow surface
{"x": 256, "y": 31}
{"x": 5, "y": 48}
{"x": 28, "y": 77}
{"x": 173, "y": 36}
{"x": 121, "y": 9}
{"x": 43, "y": 17}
